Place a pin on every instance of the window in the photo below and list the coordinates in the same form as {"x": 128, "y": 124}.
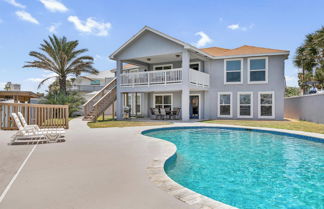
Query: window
{"x": 225, "y": 104}
{"x": 129, "y": 101}
{"x": 95, "y": 82}
{"x": 163, "y": 67}
{"x": 133, "y": 71}
{"x": 245, "y": 102}
{"x": 163, "y": 101}
{"x": 195, "y": 66}
{"x": 266, "y": 104}
{"x": 233, "y": 71}
{"x": 258, "y": 70}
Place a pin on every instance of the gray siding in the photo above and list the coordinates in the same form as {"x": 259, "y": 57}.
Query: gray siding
{"x": 142, "y": 47}
{"x": 276, "y": 83}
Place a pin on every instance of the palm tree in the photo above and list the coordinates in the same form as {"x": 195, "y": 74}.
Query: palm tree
{"x": 63, "y": 59}
{"x": 310, "y": 58}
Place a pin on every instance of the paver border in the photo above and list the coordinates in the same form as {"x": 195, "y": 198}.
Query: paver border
{"x": 158, "y": 176}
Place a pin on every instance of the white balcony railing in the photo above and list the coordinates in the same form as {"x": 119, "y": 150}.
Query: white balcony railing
{"x": 165, "y": 77}
{"x": 85, "y": 88}
{"x": 198, "y": 78}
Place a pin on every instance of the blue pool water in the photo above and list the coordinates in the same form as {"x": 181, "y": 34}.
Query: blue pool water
{"x": 247, "y": 169}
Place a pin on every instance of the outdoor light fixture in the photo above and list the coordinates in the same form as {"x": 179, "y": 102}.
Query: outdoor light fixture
{"x": 177, "y": 55}
{"x": 148, "y": 59}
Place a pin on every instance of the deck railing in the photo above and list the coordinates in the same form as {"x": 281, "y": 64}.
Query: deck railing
{"x": 43, "y": 115}
{"x": 198, "y": 78}
{"x": 165, "y": 77}
{"x": 152, "y": 77}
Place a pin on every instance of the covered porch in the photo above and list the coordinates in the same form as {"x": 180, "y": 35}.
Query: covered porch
{"x": 162, "y": 105}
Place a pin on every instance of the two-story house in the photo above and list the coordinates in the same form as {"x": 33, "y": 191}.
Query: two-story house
{"x": 209, "y": 83}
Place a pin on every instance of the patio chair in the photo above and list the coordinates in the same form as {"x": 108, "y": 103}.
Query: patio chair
{"x": 155, "y": 113}
{"x": 30, "y": 135}
{"x": 163, "y": 113}
{"x": 168, "y": 112}
{"x": 36, "y": 127}
{"x": 176, "y": 113}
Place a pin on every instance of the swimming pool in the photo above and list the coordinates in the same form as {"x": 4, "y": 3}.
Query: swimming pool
{"x": 247, "y": 168}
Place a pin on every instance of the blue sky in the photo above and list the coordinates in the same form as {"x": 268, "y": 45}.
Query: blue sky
{"x": 102, "y": 26}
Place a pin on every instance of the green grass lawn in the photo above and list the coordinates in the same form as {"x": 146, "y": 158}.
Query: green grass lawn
{"x": 109, "y": 123}
{"x": 287, "y": 124}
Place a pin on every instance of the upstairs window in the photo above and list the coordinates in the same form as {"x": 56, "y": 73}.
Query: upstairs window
{"x": 233, "y": 71}
{"x": 258, "y": 70}
{"x": 95, "y": 82}
{"x": 163, "y": 67}
{"x": 195, "y": 66}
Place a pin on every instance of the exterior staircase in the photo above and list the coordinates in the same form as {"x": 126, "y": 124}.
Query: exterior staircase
{"x": 98, "y": 104}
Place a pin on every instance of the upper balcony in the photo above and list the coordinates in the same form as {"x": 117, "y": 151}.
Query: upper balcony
{"x": 164, "y": 77}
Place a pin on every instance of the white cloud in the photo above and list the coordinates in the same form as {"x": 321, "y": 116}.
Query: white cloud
{"x": 239, "y": 27}
{"x": 233, "y": 26}
{"x": 53, "y": 28}
{"x": 54, "y": 5}
{"x": 23, "y": 15}
{"x": 16, "y": 4}
{"x": 90, "y": 26}
{"x": 35, "y": 80}
{"x": 1, "y": 21}
{"x": 204, "y": 39}
{"x": 2, "y": 85}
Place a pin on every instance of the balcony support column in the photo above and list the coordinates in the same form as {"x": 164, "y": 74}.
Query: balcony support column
{"x": 185, "y": 85}
{"x": 119, "y": 95}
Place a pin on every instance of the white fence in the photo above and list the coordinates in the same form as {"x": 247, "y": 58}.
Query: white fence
{"x": 308, "y": 107}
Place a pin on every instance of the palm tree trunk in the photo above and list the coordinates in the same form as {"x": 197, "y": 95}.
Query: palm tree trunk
{"x": 62, "y": 82}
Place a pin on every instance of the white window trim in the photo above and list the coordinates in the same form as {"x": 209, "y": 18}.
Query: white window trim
{"x": 199, "y": 65}
{"x": 200, "y": 106}
{"x": 154, "y": 95}
{"x": 155, "y": 66}
{"x": 134, "y": 102}
{"x": 225, "y": 74}
{"x": 133, "y": 70}
{"x": 239, "y": 104}
{"x": 273, "y": 104}
{"x": 266, "y": 70}
{"x": 231, "y": 105}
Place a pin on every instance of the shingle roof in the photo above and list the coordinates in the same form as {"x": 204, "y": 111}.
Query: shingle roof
{"x": 243, "y": 50}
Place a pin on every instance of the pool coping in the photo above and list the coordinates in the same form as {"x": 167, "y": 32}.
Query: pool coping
{"x": 158, "y": 176}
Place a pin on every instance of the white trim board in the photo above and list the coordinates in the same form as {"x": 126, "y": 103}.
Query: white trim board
{"x": 163, "y": 94}
{"x": 231, "y": 105}
{"x": 273, "y": 105}
{"x": 200, "y": 104}
{"x": 266, "y": 70}
{"x": 225, "y": 72}
{"x": 239, "y": 104}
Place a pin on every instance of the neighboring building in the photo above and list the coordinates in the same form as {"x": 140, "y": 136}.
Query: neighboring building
{"x": 91, "y": 83}
{"x": 12, "y": 87}
{"x": 211, "y": 83}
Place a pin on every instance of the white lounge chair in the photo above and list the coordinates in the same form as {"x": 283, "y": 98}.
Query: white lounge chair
{"x": 36, "y": 127}
{"x": 30, "y": 135}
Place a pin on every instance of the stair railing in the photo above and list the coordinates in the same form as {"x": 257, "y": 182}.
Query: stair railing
{"x": 88, "y": 106}
{"x": 103, "y": 103}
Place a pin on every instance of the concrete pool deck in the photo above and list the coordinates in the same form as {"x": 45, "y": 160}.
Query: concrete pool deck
{"x": 94, "y": 168}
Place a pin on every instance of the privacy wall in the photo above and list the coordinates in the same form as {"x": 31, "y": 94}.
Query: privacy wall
{"x": 309, "y": 108}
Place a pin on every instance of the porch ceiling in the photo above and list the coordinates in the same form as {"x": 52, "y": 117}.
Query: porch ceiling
{"x": 175, "y": 57}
